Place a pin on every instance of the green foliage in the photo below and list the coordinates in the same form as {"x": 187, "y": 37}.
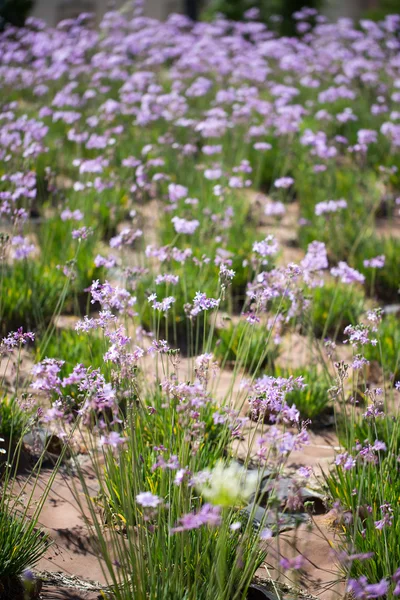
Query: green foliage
{"x": 387, "y": 351}
{"x": 72, "y": 347}
{"x": 208, "y": 556}
{"x": 235, "y": 9}
{"x": 362, "y": 490}
{"x": 245, "y": 346}
{"x": 383, "y": 283}
{"x": 77, "y": 257}
{"x": 22, "y": 544}
{"x": 32, "y": 290}
{"x": 12, "y": 418}
{"x": 314, "y": 400}
{"x": 332, "y": 308}
{"x": 29, "y": 294}
{"x": 384, "y": 7}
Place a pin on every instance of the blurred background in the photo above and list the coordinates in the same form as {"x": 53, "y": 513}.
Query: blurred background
{"x": 54, "y": 11}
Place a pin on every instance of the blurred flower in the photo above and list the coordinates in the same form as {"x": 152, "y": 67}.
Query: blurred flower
{"x": 228, "y": 485}
{"x": 148, "y": 500}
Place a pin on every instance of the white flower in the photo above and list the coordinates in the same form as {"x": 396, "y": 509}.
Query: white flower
{"x": 228, "y": 485}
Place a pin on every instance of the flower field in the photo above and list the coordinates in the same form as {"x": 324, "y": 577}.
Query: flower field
{"x": 199, "y": 305}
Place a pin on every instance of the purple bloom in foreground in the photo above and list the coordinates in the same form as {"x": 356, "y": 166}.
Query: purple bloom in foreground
{"x": 113, "y": 439}
{"x": 21, "y": 247}
{"x": 274, "y": 209}
{"x": 329, "y": 206}
{"x": 266, "y": 247}
{"x": 148, "y": 500}
{"x": 283, "y": 182}
{"x": 207, "y": 515}
{"x": 176, "y": 192}
{"x": 361, "y": 589}
{"x": 201, "y": 302}
{"x": 375, "y": 263}
{"x": 292, "y": 563}
{"x": 266, "y": 534}
{"x": 185, "y": 226}
{"x": 347, "y": 274}
{"x": 396, "y": 579}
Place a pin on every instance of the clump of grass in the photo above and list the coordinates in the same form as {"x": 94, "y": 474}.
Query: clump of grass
{"x": 364, "y": 484}
{"x": 384, "y": 283}
{"x": 387, "y": 352}
{"x": 314, "y": 400}
{"x": 75, "y": 347}
{"x": 333, "y": 307}
{"x": 30, "y": 293}
{"x": 22, "y": 544}
{"x": 12, "y": 418}
{"x": 247, "y": 346}
{"x": 365, "y": 490}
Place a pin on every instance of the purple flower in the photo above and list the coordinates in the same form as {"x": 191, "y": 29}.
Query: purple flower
{"x": 21, "y": 247}
{"x": 363, "y": 590}
{"x": 375, "y": 263}
{"x": 14, "y": 340}
{"x": 267, "y": 247}
{"x": 167, "y": 278}
{"x": 367, "y": 136}
{"x": 266, "y": 534}
{"x": 347, "y": 274}
{"x": 262, "y": 146}
{"x": 162, "y": 306}
{"x": 346, "y": 461}
{"x": 82, "y": 234}
{"x": 359, "y": 362}
{"x": 276, "y": 209}
{"x": 283, "y": 182}
{"x": 316, "y": 258}
{"x": 125, "y": 238}
{"x": 210, "y": 150}
{"x": 184, "y": 226}
{"x": 330, "y": 206}
{"x": 180, "y": 476}
{"x": 177, "y": 192}
{"x": 208, "y": 515}
{"x": 387, "y": 515}
{"x": 148, "y": 500}
{"x": 295, "y": 563}
{"x": 45, "y": 375}
{"x": 304, "y": 472}
{"x": 212, "y": 174}
{"x": 358, "y": 335}
{"x": 108, "y": 263}
{"x": 113, "y": 439}
{"x": 202, "y": 303}
{"x": 68, "y": 214}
